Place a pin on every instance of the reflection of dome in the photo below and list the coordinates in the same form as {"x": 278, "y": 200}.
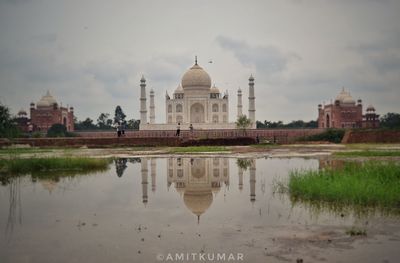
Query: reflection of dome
{"x": 196, "y": 78}
{"x": 46, "y": 101}
{"x": 198, "y": 201}
{"x": 345, "y": 97}
{"x": 49, "y": 185}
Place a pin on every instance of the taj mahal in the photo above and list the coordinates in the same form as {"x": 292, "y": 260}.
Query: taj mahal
{"x": 195, "y": 102}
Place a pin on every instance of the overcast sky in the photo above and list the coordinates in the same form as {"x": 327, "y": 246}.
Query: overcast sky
{"x": 91, "y": 54}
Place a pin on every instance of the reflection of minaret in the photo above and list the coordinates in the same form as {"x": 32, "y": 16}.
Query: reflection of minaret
{"x": 240, "y": 179}
{"x": 144, "y": 179}
{"x": 153, "y": 174}
{"x": 253, "y": 181}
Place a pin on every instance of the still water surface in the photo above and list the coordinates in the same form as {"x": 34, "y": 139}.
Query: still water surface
{"x": 144, "y": 209}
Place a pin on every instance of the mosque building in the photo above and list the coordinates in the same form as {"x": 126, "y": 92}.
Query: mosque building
{"x": 194, "y": 102}
{"x": 48, "y": 112}
{"x": 344, "y": 112}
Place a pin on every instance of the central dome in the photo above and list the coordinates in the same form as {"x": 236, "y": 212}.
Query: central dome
{"x": 196, "y": 78}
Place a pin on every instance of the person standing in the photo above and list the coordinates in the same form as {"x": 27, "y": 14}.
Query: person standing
{"x": 191, "y": 131}
{"x": 178, "y": 129}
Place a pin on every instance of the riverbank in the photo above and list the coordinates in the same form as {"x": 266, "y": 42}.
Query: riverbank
{"x": 251, "y": 151}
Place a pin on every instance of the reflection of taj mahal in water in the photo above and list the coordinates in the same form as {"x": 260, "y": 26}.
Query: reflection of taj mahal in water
{"x": 197, "y": 180}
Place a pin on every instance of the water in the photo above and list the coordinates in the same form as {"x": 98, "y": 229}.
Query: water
{"x": 148, "y": 209}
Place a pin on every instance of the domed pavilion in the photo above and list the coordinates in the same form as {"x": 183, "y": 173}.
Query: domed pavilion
{"x": 196, "y": 101}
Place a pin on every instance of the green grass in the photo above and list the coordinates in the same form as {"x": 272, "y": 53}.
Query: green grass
{"x": 198, "y": 149}
{"x": 367, "y": 184}
{"x": 52, "y": 164}
{"x": 368, "y": 153}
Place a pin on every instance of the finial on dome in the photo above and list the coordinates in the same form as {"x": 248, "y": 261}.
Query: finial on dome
{"x": 48, "y": 93}
{"x": 195, "y": 60}
{"x": 142, "y": 79}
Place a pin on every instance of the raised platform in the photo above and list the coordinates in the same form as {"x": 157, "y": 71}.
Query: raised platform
{"x": 167, "y": 137}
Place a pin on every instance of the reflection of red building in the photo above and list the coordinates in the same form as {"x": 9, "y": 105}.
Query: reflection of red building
{"x": 47, "y": 112}
{"x": 346, "y": 113}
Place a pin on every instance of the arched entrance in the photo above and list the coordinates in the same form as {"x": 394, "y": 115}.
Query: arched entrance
{"x": 65, "y": 121}
{"x": 328, "y": 121}
{"x": 197, "y": 113}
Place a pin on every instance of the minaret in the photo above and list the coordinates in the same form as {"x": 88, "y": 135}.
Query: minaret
{"x": 252, "y": 100}
{"x": 253, "y": 181}
{"x": 144, "y": 179}
{"x": 239, "y": 104}
{"x": 143, "y": 108}
{"x": 153, "y": 174}
{"x": 152, "y": 112}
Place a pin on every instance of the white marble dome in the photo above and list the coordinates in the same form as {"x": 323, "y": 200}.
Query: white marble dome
{"x": 345, "y": 97}
{"x": 196, "y": 78}
{"x": 47, "y": 100}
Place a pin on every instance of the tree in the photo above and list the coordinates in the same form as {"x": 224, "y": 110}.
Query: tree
{"x": 8, "y": 126}
{"x": 243, "y": 123}
{"x": 390, "y": 120}
{"x": 119, "y": 116}
{"x": 57, "y": 130}
{"x": 133, "y": 124}
{"x": 104, "y": 122}
{"x": 85, "y": 125}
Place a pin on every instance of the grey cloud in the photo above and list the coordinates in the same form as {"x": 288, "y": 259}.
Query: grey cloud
{"x": 382, "y": 55}
{"x": 266, "y": 59}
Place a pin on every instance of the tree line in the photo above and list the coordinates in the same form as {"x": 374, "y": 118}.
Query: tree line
{"x": 9, "y": 127}
{"x": 106, "y": 122}
{"x": 279, "y": 124}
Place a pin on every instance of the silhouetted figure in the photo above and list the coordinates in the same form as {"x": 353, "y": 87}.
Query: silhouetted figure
{"x": 178, "y": 129}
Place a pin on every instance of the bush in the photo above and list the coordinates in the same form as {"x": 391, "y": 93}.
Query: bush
{"x": 330, "y": 135}
{"x": 59, "y": 130}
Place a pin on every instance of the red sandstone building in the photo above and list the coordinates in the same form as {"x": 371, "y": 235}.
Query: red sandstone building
{"x": 346, "y": 113}
{"x": 48, "y": 112}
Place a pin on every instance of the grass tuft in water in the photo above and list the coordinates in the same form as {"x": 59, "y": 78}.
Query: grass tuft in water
{"x": 356, "y": 232}
{"x": 32, "y": 165}
{"x": 370, "y": 183}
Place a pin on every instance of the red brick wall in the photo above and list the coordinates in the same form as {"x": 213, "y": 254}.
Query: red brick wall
{"x": 280, "y": 135}
{"x": 371, "y": 136}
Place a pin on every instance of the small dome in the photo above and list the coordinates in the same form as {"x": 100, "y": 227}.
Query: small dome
{"x": 178, "y": 89}
{"x": 196, "y": 78}
{"x": 214, "y": 90}
{"x": 46, "y": 101}
{"x": 370, "y": 108}
{"x": 345, "y": 97}
{"x": 22, "y": 112}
